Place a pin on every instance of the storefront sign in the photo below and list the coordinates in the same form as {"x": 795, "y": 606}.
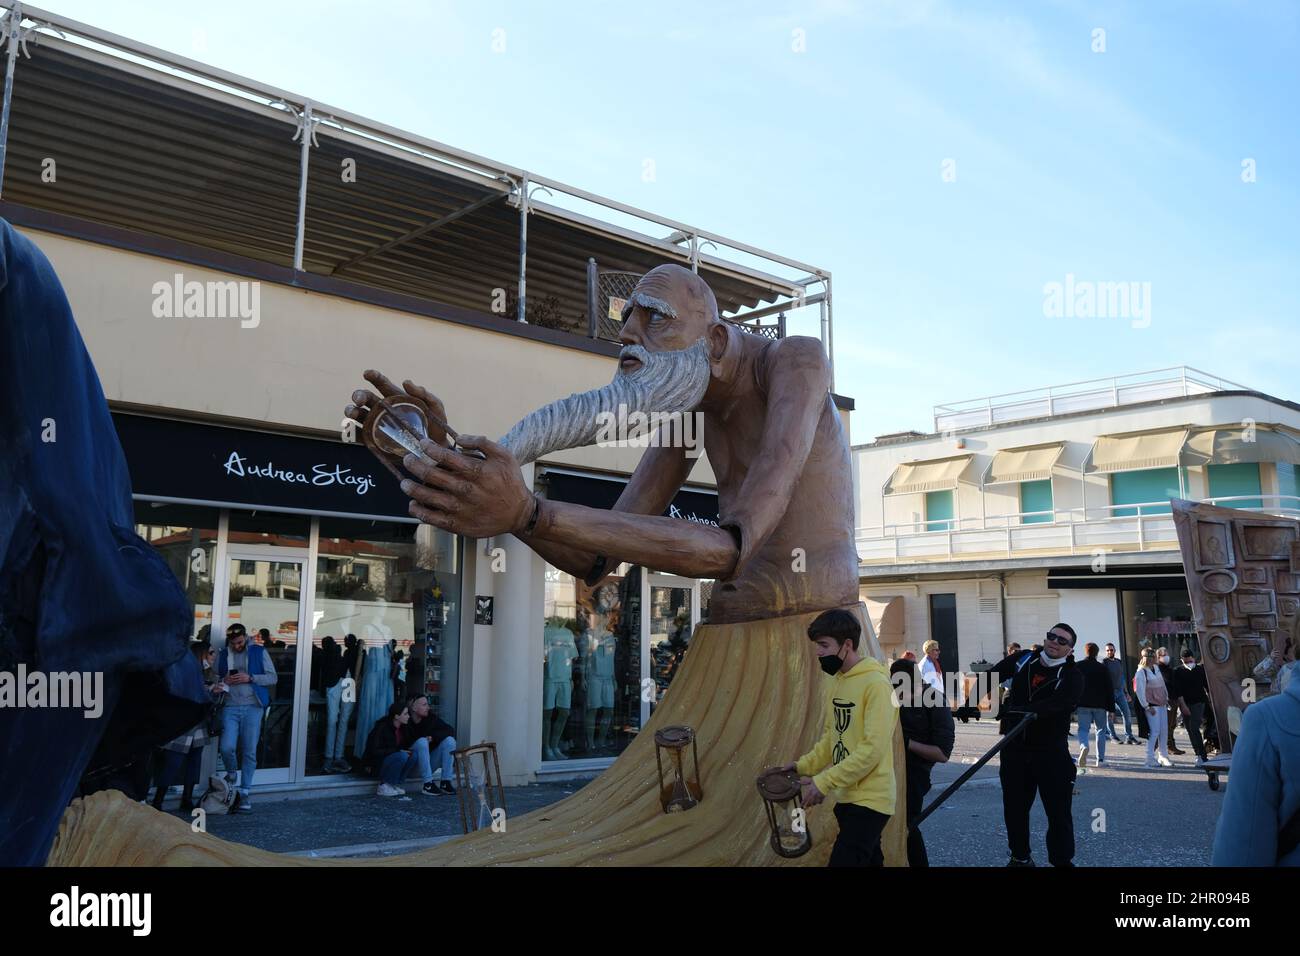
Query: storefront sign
{"x": 601, "y": 492}
{"x": 209, "y": 463}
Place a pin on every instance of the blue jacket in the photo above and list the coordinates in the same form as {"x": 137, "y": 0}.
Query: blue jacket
{"x": 1263, "y": 785}
{"x": 256, "y": 661}
{"x": 80, "y": 591}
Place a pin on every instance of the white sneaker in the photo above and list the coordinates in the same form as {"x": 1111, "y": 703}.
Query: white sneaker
{"x": 1165, "y": 761}
{"x": 386, "y": 790}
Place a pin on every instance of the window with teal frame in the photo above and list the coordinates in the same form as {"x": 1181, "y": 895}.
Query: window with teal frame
{"x": 938, "y": 511}
{"x": 1036, "y": 496}
{"x": 1241, "y": 478}
{"x": 1156, "y": 485}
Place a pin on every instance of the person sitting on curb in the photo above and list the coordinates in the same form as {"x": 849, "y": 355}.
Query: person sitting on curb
{"x": 384, "y": 750}
{"x": 429, "y": 739}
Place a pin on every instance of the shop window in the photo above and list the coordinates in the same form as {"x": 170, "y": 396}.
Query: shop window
{"x": 591, "y": 665}
{"x": 386, "y": 618}
{"x": 270, "y": 528}
{"x": 186, "y": 537}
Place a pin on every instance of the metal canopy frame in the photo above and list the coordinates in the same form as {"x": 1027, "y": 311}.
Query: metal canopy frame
{"x": 308, "y": 118}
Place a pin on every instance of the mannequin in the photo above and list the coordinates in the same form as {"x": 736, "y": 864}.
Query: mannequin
{"x": 557, "y": 688}
{"x": 598, "y": 668}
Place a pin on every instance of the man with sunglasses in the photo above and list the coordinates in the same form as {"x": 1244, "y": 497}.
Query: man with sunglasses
{"x": 1037, "y": 761}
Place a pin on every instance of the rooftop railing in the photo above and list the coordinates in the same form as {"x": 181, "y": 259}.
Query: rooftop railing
{"x": 1144, "y": 526}
{"x": 1097, "y": 393}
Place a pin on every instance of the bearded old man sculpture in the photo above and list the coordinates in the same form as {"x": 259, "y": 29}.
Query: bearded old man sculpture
{"x": 782, "y": 553}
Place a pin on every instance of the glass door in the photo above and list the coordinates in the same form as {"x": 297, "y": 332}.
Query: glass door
{"x": 670, "y": 617}
{"x": 264, "y": 593}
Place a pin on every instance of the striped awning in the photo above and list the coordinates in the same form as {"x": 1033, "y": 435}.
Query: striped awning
{"x": 1133, "y": 451}
{"x": 1029, "y": 463}
{"x": 939, "y": 474}
{"x": 1232, "y": 444}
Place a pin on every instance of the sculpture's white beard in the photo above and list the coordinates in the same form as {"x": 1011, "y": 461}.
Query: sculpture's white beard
{"x": 666, "y": 382}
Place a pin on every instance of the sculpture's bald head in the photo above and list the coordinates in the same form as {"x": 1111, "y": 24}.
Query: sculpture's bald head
{"x": 670, "y": 309}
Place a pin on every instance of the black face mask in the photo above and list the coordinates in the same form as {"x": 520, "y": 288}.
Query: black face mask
{"x": 831, "y": 663}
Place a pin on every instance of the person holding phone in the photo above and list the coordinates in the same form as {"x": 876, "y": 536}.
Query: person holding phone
{"x": 249, "y": 675}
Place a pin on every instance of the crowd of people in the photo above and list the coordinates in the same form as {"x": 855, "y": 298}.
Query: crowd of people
{"x": 1044, "y": 690}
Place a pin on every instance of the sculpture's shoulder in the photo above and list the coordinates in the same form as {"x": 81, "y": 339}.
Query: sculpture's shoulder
{"x": 795, "y": 354}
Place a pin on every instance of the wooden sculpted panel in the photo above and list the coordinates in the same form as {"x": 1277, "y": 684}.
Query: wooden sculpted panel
{"x": 1243, "y": 577}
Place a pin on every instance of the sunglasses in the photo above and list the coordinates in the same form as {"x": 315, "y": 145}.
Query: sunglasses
{"x": 1058, "y": 639}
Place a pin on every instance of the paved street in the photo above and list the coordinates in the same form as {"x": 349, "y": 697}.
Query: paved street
{"x": 966, "y": 831}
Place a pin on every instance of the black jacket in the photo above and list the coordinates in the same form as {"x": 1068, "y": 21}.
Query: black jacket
{"x": 1190, "y": 685}
{"x": 1097, "y": 689}
{"x": 1053, "y": 700}
{"x": 381, "y": 743}
{"x": 432, "y": 726}
{"x": 927, "y": 725}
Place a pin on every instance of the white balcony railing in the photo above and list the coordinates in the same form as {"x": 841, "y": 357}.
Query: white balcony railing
{"x": 1179, "y": 381}
{"x": 1147, "y": 526}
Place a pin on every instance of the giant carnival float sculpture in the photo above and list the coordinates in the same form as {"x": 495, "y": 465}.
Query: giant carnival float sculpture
{"x": 750, "y": 687}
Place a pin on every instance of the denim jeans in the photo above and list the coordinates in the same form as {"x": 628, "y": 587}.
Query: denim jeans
{"x": 422, "y": 758}
{"x": 338, "y": 711}
{"x": 241, "y": 724}
{"x": 1089, "y": 716}
{"x": 395, "y": 767}
{"x": 1121, "y": 704}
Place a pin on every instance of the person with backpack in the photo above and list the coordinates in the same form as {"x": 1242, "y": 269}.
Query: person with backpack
{"x": 1260, "y": 821}
{"x": 1046, "y": 684}
{"x": 1153, "y": 698}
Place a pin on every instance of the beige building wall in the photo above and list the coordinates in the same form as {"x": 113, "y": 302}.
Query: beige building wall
{"x": 298, "y": 366}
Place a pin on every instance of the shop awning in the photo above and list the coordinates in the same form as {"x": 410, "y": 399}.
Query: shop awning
{"x": 1029, "y": 463}
{"x": 1226, "y": 445}
{"x": 940, "y": 474}
{"x": 887, "y": 617}
{"x": 1133, "y": 451}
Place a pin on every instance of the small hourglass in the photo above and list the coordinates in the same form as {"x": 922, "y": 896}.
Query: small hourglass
{"x": 396, "y": 427}
{"x": 786, "y": 818}
{"x": 680, "y": 793}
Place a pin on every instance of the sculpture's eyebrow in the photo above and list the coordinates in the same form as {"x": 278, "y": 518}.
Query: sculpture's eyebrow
{"x": 649, "y": 303}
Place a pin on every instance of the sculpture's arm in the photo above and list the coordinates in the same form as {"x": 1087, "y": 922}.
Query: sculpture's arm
{"x": 654, "y": 484}
{"x": 796, "y": 377}
{"x": 664, "y": 544}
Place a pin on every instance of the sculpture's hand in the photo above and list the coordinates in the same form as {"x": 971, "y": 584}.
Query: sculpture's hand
{"x": 477, "y": 497}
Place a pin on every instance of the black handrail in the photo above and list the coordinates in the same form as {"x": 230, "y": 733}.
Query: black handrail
{"x": 970, "y": 771}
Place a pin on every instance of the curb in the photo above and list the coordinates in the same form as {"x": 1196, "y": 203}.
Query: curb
{"x": 372, "y": 849}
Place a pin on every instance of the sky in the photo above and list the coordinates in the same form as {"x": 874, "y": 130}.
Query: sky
{"x": 947, "y": 162}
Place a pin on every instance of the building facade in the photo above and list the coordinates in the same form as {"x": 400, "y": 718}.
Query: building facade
{"x": 1019, "y": 511}
{"x": 232, "y": 284}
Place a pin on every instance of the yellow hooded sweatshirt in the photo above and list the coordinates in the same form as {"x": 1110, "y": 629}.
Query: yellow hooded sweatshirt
{"x": 857, "y": 748}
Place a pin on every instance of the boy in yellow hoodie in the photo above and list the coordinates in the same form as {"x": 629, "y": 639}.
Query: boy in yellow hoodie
{"x": 854, "y": 759}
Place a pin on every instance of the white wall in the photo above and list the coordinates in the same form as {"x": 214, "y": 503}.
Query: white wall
{"x": 1094, "y": 616}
